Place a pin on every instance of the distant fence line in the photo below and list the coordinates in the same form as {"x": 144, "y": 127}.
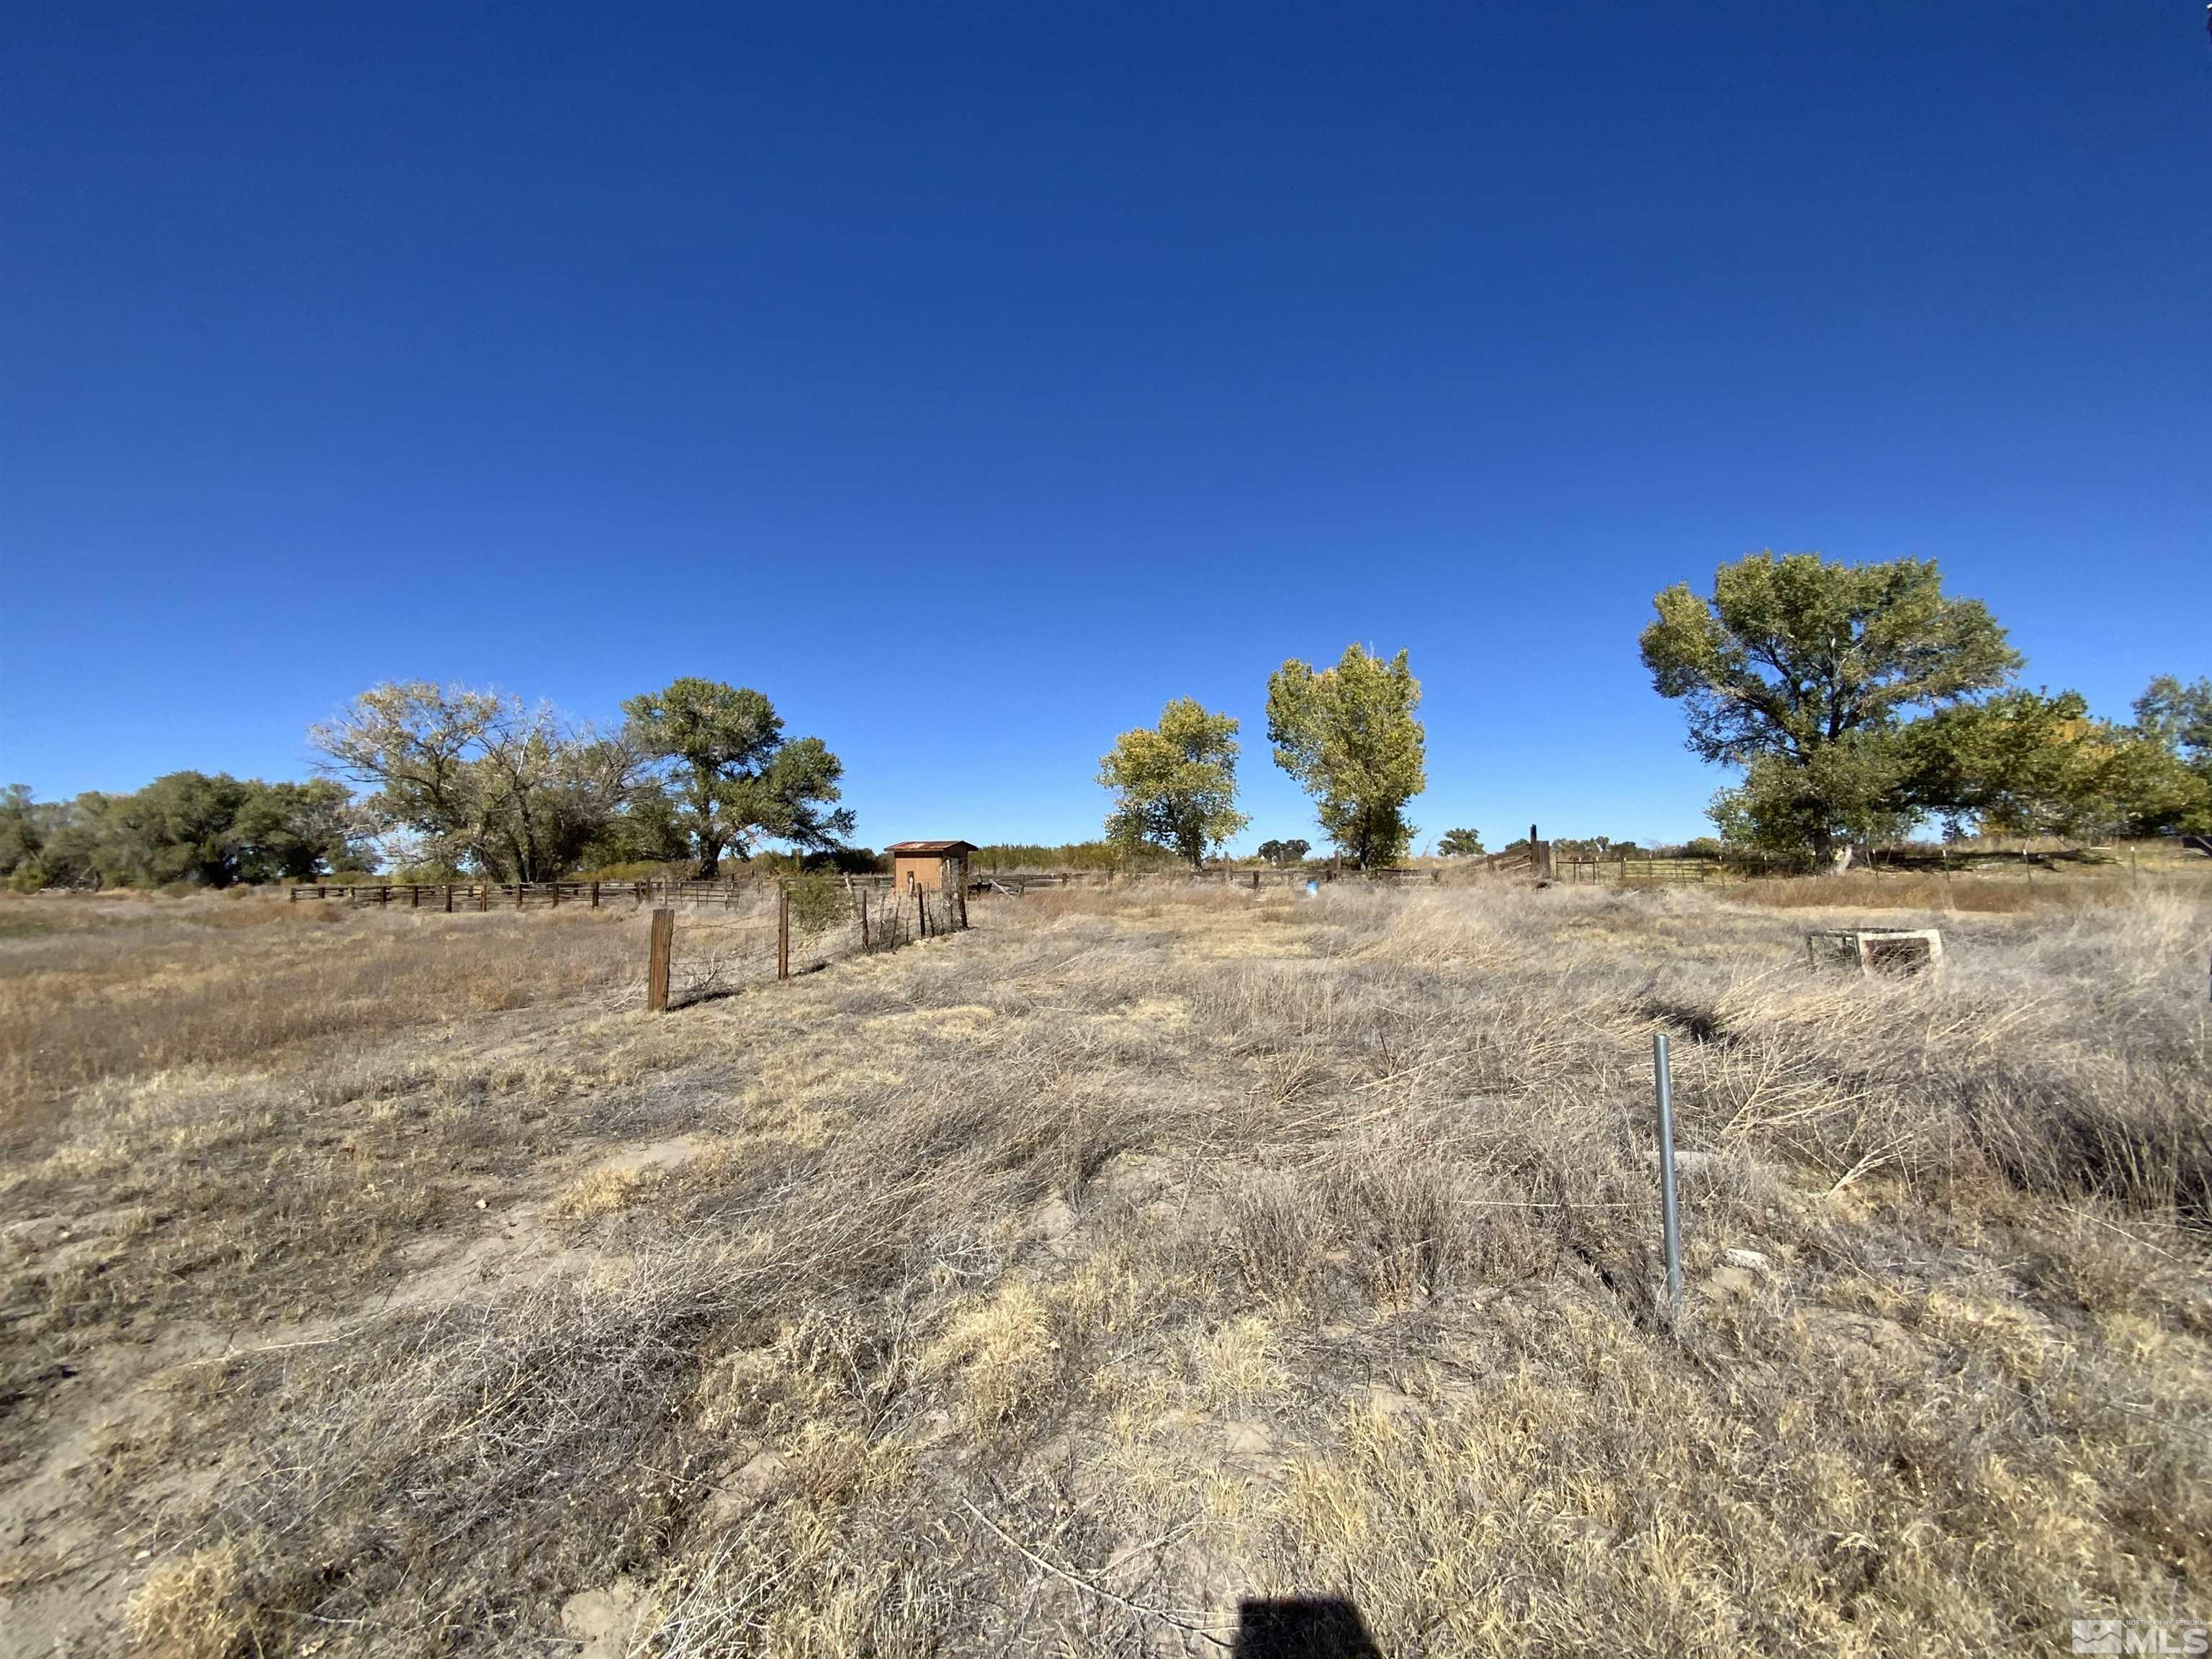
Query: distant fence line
{"x": 452, "y": 896}
{"x": 1520, "y": 862}
{"x": 731, "y": 893}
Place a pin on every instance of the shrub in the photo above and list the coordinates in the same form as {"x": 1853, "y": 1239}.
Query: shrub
{"x": 817, "y": 902}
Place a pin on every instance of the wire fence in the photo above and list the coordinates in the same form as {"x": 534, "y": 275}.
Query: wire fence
{"x": 716, "y": 949}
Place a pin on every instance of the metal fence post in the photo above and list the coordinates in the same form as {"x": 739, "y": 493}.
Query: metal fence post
{"x": 783, "y": 932}
{"x": 656, "y": 962}
{"x": 1670, "y": 1215}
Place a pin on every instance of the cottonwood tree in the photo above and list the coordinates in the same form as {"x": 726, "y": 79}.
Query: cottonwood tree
{"x": 1175, "y": 785}
{"x": 731, "y": 777}
{"x": 1281, "y": 854}
{"x": 1348, "y": 735}
{"x": 1802, "y": 671}
{"x": 488, "y": 781}
{"x": 2179, "y": 717}
{"x": 1460, "y": 844}
{"x": 2032, "y": 763}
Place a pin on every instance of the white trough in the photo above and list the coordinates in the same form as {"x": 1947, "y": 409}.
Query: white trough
{"x": 1876, "y": 950}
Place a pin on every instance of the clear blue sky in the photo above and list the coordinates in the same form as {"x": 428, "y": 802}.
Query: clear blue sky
{"x": 972, "y": 380}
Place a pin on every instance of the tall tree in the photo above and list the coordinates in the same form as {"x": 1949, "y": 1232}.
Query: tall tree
{"x": 1801, "y": 670}
{"x": 1175, "y": 784}
{"x": 1348, "y": 735}
{"x": 22, "y": 835}
{"x": 1283, "y": 853}
{"x": 289, "y": 831}
{"x": 488, "y": 781}
{"x": 1460, "y": 844}
{"x": 2178, "y": 718}
{"x": 733, "y": 778}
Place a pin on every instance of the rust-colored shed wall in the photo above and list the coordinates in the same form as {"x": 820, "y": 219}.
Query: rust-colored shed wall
{"x": 929, "y": 872}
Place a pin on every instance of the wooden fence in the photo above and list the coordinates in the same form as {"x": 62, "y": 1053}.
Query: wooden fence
{"x": 459, "y": 896}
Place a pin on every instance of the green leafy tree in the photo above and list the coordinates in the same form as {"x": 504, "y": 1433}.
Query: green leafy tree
{"x": 1175, "y": 785}
{"x": 1282, "y": 853}
{"x": 207, "y": 830}
{"x": 22, "y": 835}
{"x": 181, "y": 827}
{"x": 487, "y": 783}
{"x": 2178, "y": 718}
{"x": 1348, "y": 735}
{"x": 733, "y": 778}
{"x": 289, "y": 831}
{"x": 1460, "y": 844}
{"x": 1801, "y": 670}
{"x": 2164, "y": 782}
{"x": 2030, "y": 764}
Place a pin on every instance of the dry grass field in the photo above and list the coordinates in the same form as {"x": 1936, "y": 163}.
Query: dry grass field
{"x": 394, "y": 1283}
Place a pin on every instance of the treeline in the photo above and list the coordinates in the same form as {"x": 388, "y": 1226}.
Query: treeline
{"x": 188, "y": 826}
{"x": 1861, "y": 701}
{"x": 1855, "y": 703}
{"x": 1067, "y": 855}
{"x": 457, "y": 782}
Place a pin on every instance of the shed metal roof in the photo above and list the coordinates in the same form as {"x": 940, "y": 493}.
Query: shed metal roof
{"x": 922, "y": 849}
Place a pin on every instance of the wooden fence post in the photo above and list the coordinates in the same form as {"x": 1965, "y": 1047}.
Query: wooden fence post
{"x": 449, "y": 898}
{"x": 656, "y": 962}
{"x": 962, "y": 890}
{"x": 383, "y": 896}
{"x": 483, "y": 895}
{"x": 783, "y": 932}
{"x": 595, "y": 895}
{"x": 518, "y": 887}
{"x": 864, "y": 918}
{"x": 414, "y": 896}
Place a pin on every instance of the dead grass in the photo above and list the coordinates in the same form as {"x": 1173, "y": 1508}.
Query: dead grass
{"x": 1050, "y": 1288}
{"x": 1984, "y": 895}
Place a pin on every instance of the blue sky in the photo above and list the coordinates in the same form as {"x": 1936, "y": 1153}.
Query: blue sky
{"x": 974, "y": 379}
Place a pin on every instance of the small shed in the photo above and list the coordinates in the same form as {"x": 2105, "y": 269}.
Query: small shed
{"x": 929, "y": 866}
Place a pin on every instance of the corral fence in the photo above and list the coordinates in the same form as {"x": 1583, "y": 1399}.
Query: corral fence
{"x": 708, "y": 939}
{"x": 711, "y": 950}
{"x": 1518, "y": 864}
{"x": 452, "y": 896}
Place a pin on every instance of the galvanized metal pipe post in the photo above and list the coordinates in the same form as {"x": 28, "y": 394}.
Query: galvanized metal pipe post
{"x": 1670, "y": 1214}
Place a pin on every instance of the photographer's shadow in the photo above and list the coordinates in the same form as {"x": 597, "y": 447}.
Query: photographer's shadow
{"x": 1302, "y": 1627}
